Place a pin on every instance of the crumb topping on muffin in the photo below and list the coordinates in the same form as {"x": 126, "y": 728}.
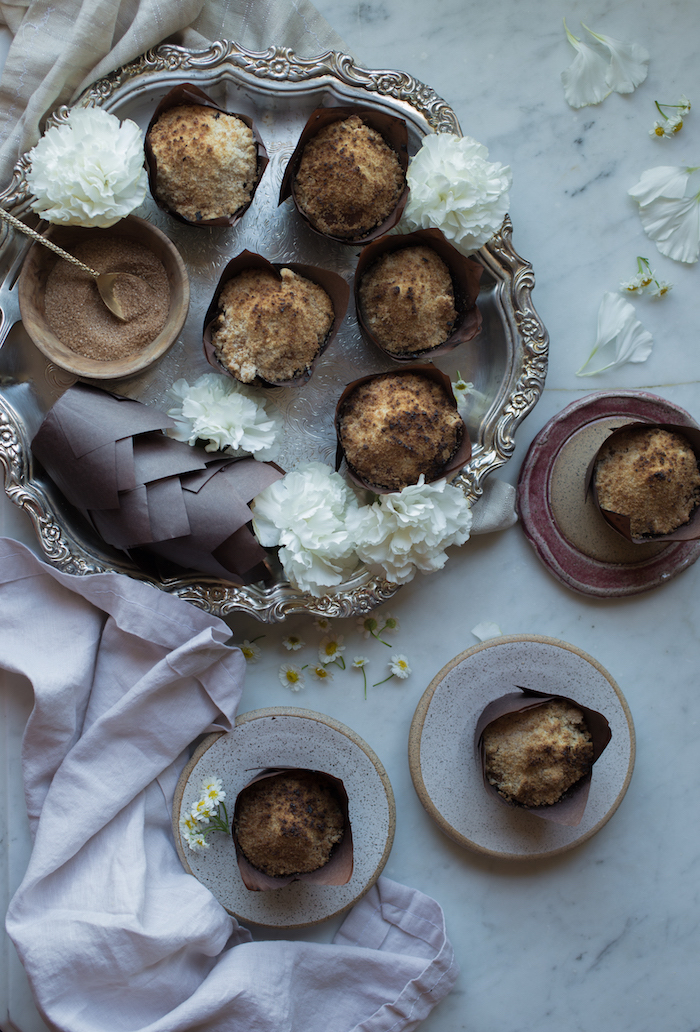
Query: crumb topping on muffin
{"x": 533, "y": 757}
{"x": 289, "y": 823}
{"x": 407, "y": 300}
{"x": 349, "y": 180}
{"x": 269, "y": 327}
{"x": 396, "y": 426}
{"x": 206, "y": 161}
{"x": 650, "y": 475}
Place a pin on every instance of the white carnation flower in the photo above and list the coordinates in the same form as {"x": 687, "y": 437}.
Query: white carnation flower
{"x": 410, "y": 530}
{"x": 226, "y": 414}
{"x": 454, "y": 188}
{"x": 88, "y": 171}
{"x": 304, "y": 514}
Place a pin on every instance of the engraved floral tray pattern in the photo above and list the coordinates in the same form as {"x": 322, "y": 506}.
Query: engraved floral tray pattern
{"x": 507, "y": 362}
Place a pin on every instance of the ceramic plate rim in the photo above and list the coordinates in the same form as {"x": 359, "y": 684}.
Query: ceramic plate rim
{"x": 561, "y": 557}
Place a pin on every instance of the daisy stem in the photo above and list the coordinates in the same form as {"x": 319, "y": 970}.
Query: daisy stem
{"x": 364, "y": 675}
{"x": 383, "y": 682}
{"x": 375, "y": 634}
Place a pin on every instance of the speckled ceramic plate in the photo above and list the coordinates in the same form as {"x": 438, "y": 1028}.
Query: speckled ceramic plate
{"x": 566, "y": 529}
{"x": 441, "y": 744}
{"x": 278, "y": 737}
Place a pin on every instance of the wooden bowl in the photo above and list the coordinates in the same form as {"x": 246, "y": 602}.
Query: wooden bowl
{"x": 32, "y": 284}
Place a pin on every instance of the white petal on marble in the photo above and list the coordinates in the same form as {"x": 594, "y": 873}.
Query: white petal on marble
{"x": 586, "y": 79}
{"x": 628, "y": 62}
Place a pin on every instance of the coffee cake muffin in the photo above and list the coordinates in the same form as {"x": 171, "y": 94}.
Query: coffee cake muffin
{"x": 650, "y": 475}
{"x": 288, "y": 823}
{"x": 349, "y": 180}
{"x": 394, "y": 426}
{"x": 271, "y": 327}
{"x": 206, "y": 162}
{"x": 407, "y": 300}
{"x": 533, "y": 756}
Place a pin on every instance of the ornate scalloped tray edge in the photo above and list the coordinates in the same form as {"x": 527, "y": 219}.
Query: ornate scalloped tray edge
{"x": 510, "y": 277}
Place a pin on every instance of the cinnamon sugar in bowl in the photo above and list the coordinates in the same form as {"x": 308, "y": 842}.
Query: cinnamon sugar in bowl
{"x": 69, "y": 323}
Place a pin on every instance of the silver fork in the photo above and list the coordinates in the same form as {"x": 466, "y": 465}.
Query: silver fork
{"x": 13, "y": 249}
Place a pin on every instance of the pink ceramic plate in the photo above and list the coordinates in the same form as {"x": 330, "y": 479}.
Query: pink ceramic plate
{"x": 566, "y": 530}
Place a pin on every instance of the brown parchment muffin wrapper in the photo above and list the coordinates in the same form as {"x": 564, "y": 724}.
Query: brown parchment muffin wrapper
{"x": 338, "y": 870}
{"x": 395, "y": 134}
{"x": 184, "y": 94}
{"x": 570, "y": 808}
{"x": 620, "y": 522}
{"x": 466, "y": 277}
{"x": 333, "y": 284}
{"x": 458, "y": 460}
{"x": 148, "y": 494}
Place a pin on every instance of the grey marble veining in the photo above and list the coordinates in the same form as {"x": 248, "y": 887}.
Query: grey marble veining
{"x": 604, "y": 938}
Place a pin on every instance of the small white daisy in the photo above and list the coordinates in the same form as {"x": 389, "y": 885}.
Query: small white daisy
{"x": 368, "y": 625}
{"x": 399, "y": 666}
{"x": 291, "y": 677}
{"x": 293, "y": 643}
{"x": 330, "y": 648}
{"x": 321, "y": 672}
{"x": 251, "y": 651}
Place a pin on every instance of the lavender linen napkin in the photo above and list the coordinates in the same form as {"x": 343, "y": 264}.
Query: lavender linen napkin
{"x": 114, "y": 935}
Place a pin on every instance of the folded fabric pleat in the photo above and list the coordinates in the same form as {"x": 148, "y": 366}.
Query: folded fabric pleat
{"x": 114, "y": 935}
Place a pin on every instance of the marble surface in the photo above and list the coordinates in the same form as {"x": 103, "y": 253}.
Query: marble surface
{"x": 604, "y": 937}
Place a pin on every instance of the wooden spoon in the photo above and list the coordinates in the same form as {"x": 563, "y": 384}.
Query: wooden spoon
{"x": 105, "y": 281}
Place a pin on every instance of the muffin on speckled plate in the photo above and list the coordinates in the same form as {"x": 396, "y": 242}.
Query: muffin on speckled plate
{"x": 291, "y": 825}
{"x": 645, "y": 480}
{"x": 347, "y": 174}
{"x": 536, "y": 752}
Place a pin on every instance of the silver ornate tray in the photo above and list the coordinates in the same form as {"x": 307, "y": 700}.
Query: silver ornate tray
{"x": 507, "y": 362}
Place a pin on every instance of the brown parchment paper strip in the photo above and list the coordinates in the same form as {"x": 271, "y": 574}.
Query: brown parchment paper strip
{"x": 391, "y": 128}
{"x": 143, "y": 490}
{"x": 466, "y": 277}
{"x": 187, "y": 93}
{"x": 569, "y": 809}
{"x": 458, "y": 460}
{"x": 338, "y": 870}
{"x": 620, "y": 522}
{"x": 333, "y": 284}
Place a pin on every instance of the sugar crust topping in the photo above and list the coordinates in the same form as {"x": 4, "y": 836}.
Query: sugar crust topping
{"x": 534, "y": 756}
{"x": 407, "y": 300}
{"x": 650, "y": 475}
{"x": 396, "y": 426}
{"x": 349, "y": 180}
{"x": 206, "y": 161}
{"x": 288, "y": 824}
{"x": 269, "y": 327}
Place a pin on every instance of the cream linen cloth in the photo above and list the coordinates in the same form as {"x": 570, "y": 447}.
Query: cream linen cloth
{"x": 114, "y": 935}
{"x": 61, "y": 46}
